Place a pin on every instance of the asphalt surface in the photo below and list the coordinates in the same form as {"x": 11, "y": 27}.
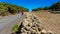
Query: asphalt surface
{"x": 7, "y": 23}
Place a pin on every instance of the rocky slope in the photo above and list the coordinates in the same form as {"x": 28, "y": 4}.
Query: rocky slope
{"x": 31, "y": 25}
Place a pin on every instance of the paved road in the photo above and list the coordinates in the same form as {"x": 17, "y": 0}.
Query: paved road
{"x": 7, "y": 23}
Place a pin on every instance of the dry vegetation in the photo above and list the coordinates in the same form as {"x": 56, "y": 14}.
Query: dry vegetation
{"x": 50, "y": 21}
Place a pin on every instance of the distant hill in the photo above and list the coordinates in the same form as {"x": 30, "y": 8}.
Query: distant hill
{"x": 38, "y": 9}
{"x": 53, "y": 7}
{"x": 6, "y": 9}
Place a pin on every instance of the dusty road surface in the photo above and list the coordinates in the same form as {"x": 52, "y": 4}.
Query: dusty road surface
{"x": 7, "y": 23}
{"x": 50, "y": 21}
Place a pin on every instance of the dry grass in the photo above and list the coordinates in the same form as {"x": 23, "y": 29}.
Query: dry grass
{"x": 50, "y": 21}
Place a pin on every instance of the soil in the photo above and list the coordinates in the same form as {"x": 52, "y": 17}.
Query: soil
{"x": 49, "y": 21}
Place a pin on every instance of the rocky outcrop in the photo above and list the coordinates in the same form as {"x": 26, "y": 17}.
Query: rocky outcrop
{"x": 31, "y": 25}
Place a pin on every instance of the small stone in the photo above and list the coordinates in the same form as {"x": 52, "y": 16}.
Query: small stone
{"x": 39, "y": 29}
{"x": 39, "y": 32}
{"x": 43, "y": 31}
{"x": 31, "y": 29}
{"x": 28, "y": 32}
{"x": 23, "y": 30}
{"x": 30, "y": 24}
{"x": 27, "y": 28}
{"x": 32, "y": 20}
{"x": 23, "y": 33}
{"x": 33, "y": 32}
{"x": 34, "y": 28}
{"x": 49, "y": 32}
{"x": 25, "y": 23}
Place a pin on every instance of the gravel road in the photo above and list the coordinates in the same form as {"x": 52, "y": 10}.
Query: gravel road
{"x": 7, "y": 23}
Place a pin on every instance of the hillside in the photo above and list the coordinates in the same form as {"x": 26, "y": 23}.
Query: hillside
{"x": 49, "y": 21}
{"x": 7, "y": 9}
{"x": 53, "y": 7}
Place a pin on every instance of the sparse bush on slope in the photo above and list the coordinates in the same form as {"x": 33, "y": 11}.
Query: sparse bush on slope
{"x": 11, "y": 9}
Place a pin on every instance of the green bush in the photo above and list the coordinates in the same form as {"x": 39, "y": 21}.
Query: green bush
{"x": 15, "y": 28}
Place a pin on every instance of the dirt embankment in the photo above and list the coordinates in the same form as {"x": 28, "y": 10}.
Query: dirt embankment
{"x": 50, "y": 21}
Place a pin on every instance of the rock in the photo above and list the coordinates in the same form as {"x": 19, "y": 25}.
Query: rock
{"x": 38, "y": 32}
{"x": 23, "y": 30}
{"x": 23, "y": 33}
{"x": 29, "y": 20}
{"x": 43, "y": 31}
{"x": 33, "y": 31}
{"x": 27, "y": 28}
{"x": 49, "y": 32}
{"x": 34, "y": 28}
{"x": 33, "y": 17}
{"x": 31, "y": 25}
{"x": 28, "y": 32}
{"x": 39, "y": 28}
{"x": 25, "y": 23}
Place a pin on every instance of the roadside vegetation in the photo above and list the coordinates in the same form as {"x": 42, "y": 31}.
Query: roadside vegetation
{"x": 15, "y": 28}
{"x": 7, "y": 9}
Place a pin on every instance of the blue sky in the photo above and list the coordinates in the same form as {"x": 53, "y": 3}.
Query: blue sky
{"x": 31, "y": 4}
